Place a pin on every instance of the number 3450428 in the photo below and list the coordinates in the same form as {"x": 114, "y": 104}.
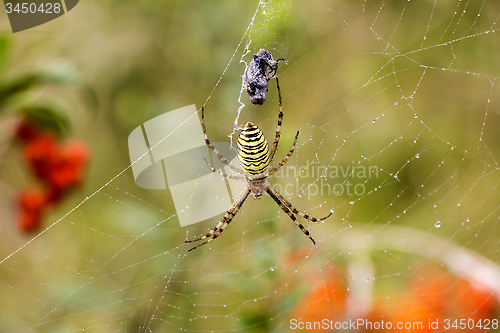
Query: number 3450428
{"x": 26, "y": 7}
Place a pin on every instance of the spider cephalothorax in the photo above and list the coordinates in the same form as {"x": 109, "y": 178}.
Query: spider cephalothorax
{"x": 259, "y": 71}
{"x": 254, "y": 157}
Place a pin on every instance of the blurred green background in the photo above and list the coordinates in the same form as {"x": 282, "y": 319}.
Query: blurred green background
{"x": 408, "y": 87}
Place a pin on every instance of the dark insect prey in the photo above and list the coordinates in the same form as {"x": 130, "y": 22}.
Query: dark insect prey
{"x": 259, "y": 71}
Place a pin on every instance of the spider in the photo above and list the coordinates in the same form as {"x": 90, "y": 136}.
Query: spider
{"x": 259, "y": 71}
{"x": 254, "y": 157}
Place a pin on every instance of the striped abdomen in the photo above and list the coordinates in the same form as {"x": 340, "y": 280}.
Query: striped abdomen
{"x": 253, "y": 152}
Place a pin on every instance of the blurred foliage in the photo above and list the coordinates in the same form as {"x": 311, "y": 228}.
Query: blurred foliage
{"x": 16, "y": 92}
{"x": 51, "y": 117}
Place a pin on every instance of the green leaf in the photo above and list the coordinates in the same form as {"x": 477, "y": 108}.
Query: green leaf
{"x": 25, "y": 82}
{"x": 47, "y": 116}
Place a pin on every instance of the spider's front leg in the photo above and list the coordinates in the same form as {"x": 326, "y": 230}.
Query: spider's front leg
{"x": 280, "y": 121}
{"x": 222, "y": 173}
{"x": 274, "y": 67}
{"x": 209, "y": 144}
{"x": 280, "y": 164}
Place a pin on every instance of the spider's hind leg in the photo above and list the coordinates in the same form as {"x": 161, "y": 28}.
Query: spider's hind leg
{"x": 269, "y": 190}
{"x": 295, "y": 210}
{"x": 219, "y": 228}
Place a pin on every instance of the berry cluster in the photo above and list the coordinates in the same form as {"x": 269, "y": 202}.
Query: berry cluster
{"x": 59, "y": 165}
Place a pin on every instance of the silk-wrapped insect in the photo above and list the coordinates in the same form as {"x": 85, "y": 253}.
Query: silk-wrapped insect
{"x": 259, "y": 71}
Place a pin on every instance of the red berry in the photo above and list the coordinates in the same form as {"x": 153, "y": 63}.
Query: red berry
{"x": 70, "y": 168}
{"x": 26, "y": 131}
{"x": 41, "y": 154}
{"x": 32, "y": 201}
{"x": 32, "y": 206}
{"x": 29, "y": 222}
{"x": 53, "y": 194}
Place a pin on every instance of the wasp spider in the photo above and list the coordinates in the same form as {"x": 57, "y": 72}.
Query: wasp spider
{"x": 254, "y": 157}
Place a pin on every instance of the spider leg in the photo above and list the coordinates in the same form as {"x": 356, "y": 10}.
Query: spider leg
{"x": 219, "y": 228}
{"x": 293, "y": 209}
{"x": 222, "y": 173}
{"x": 280, "y": 120}
{"x": 269, "y": 190}
{"x": 279, "y": 165}
{"x": 274, "y": 67}
{"x": 209, "y": 144}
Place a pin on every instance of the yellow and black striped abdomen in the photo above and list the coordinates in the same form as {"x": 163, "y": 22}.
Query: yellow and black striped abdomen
{"x": 253, "y": 151}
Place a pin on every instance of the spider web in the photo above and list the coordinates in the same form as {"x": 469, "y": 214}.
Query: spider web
{"x": 396, "y": 104}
